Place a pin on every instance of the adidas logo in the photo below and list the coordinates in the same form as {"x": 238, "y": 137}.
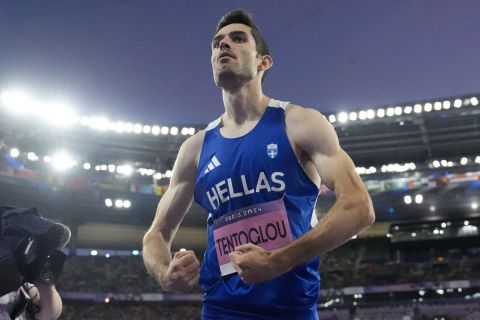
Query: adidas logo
{"x": 212, "y": 164}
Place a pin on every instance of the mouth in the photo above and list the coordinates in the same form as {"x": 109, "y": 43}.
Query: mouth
{"x": 225, "y": 55}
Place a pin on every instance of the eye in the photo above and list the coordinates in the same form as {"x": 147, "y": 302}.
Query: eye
{"x": 238, "y": 38}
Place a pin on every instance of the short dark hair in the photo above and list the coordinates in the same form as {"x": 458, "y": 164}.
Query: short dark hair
{"x": 244, "y": 17}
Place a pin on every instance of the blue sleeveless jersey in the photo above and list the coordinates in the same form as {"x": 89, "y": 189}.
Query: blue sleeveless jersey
{"x": 234, "y": 173}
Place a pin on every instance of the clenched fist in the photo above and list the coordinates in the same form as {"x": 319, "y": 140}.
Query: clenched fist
{"x": 182, "y": 273}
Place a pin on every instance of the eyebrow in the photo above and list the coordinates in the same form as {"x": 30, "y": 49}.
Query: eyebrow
{"x": 231, "y": 34}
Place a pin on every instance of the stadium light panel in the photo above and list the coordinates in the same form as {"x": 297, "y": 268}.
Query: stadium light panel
{"x": 360, "y": 170}
{"x": 108, "y": 202}
{"x": 463, "y": 161}
{"x": 421, "y": 292}
{"x": 384, "y": 168}
{"x": 111, "y": 168}
{"x": 432, "y": 208}
{"x": 446, "y": 104}
{"x": 32, "y": 156}
{"x": 119, "y": 127}
{"x": 362, "y": 115}
{"x": 157, "y": 176}
{"x": 417, "y": 108}
{"x": 58, "y": 113}
{"x": 332, "y": 118}
{"x": 427, "y": 107}
{"x": 413, "y": 234}
{"x": 147, "y": 129}
{"x": 164, "y": 130}
{"x": 474, "y": 101}
{"x": 353, "y": 116}
{"x": 16, "y": 101}
{"x": 128, "y": 127}
{"x": 87, "y": 166}
{"x": 370, "y": 114}
{"x": 444, "y": 163}
{"x": 380, "y": 113}
{"x": 440, "y": 291}
{"x": 103, "y": 167}
{"x": 437, "y": 106}
{"x": 173, "y": 131}
{"x": 184, "y": 131}
{"x": 372, "y": 169}
{"x": 407, "y": 199}
{"x": 477, "y": 159}
{"x": 474, "y": 206}
{"x": 93, "y": 252}
{"x": 14, "y": 153}
{"x": 127, "y": 204}
{"x": 418, "y": 198}
{"x": 443, "y": 225}
{"x": 408, "y": 109}
{"x": 168, "y": 173}
{"x": 47, "y": 159}
{"x": 398, "y": 111}
{"x": 457, "y": 103}
{"x": 436, "y": 231}
{"x": 466, "y": 223}
{"x": 466, "y": 102}
{"x": 62, "y": 161}
{"x": 390, "y": 112}
{"x": 135, "y": 252}
{"x": 137, "y": 128}
{"x": 342, "y": 117}
{"x": 97, "y": 168}
{"x": 156, "y": 130}
{"x": 191, "y": 131}
{"x": 119, "y": 203}
{"x": 436, "y": 163}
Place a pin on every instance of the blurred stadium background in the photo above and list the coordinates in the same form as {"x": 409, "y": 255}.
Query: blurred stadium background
{"x": 103, "y": 178}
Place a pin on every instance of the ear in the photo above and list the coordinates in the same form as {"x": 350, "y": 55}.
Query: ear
{"x": 266, "y": 62}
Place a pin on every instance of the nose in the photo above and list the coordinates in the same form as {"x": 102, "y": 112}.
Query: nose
{"x": 224, "y": 44}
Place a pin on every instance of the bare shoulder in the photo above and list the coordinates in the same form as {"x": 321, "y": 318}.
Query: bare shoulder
{"x": 190, "y": 149}
{"x": 310, "y": 129}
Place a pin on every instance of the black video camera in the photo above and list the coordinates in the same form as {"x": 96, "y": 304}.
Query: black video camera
{"x": 30, "y": 248}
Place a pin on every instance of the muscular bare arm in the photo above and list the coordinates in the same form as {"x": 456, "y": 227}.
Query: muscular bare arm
{"x": 179, "y": 274}
{"x": 352, "y": 212}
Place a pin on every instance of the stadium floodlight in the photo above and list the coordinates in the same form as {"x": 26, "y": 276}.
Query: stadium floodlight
{"x": 466, "y": 223}
{"x": 93, "y": 252}
{"x": 173, "y": 131}
{"x": 463, "y": 161}
{"x": 332, "y": 118}
{"x": 362, "y": 115}
{"x": 47, "y": 159}
{"x": 360, "y": 170}
{"x": 407, "y": 199}
{"x": 111, "y": 168}
{"x": 436, "y": 231}
{"x": 390, "y": 112}
{"x": 370, "y": 114}
{"x": 413, "y": 234}
{"x": 437, "y": 106}
{"x": 474, "y": 101}
{"x": 135, "y": 252}
{"x": 421, "y": 292}
{"x": 466, "y": 102}
{"x": 99, "y": 123}
{"x": 97, "y": 168}
{"x": 372, "y": 169}
{"x": 418, "y": 198}
{"x": 380, "y": 113}
{"x": 127, "y": 204}
{"x": 474, "y": 205}
{"x": 412, "y": 166}
{"x": 443, "y": 225}
{"x": 119, "y": 127}
{"x": 164, "y": 130}
{"x": 446, "y": 104}
{"x": 353, "y": 116}
{"x": 457, "y": 103}
{"x": 436, "y": 163}
{"x": 408, "y": 109}
{"x": 87, "y": 166}
{"x": 156, "y": 130}
{"x": 441, "y": 232}
{"x": 191, "y": 131}
{"x": 432, "y": 208}
{"x": 147, "y": 129}
{"x": 107, "y": 255}
{"x": 157, "y": 176}
{"x": 16, "y": 101}
{"x": 119, "y": 203}
{"x": 128, "y": 127}
{"x": 137, "y": 128}
{"x": 450, "y": 164}
{"x": 389, "y": 235}
{"x": 58, "y": 113}
{"x": 398, "y": 111}
{"x": 444, "y": 163}
{"x": 125, "y": 169}
{"x": 62, "y": 161}
{"x": 168, "y": 173}
{"x": 103, "y": 167}
{"x": 32, "y": 156}
{"x": 427, "y": 107}
{"x": 440, "y": 291}
{"x": 108, "y": 202}
{"x": 417, "y": 108}
{"x": 14, "y": 153}
{"x": 342, "y": 117}
{"x": 184, "y": 131}
{"x": 477, "y": 159}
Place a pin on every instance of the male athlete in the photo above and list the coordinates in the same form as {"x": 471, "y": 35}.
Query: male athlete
{"x": 256, "y": 170}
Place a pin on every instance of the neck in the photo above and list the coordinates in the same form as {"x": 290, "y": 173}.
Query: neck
{"x": 246, "y": 103}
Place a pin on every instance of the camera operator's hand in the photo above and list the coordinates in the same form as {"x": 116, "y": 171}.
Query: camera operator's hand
{"x": 182, "y": 273}
{"x": 46, "y": 300}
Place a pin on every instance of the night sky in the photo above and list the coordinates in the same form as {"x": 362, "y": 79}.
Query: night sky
{"x": 149, "y": 61}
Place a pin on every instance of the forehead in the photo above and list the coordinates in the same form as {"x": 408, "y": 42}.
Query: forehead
{"x": 234, "y": 27}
